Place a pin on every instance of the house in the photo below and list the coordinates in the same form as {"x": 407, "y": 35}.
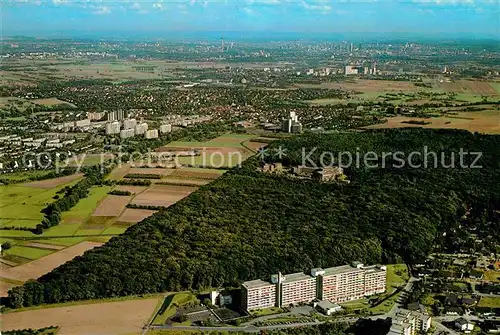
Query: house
{"x": 463, "y": 325}
{"x": 221, "y": 298}
{"x": 272, "y": 168}
{"x": 327, "y": 308}
{"x": 328, "y": 174}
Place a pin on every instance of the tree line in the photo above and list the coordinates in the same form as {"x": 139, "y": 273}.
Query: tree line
{"x": 248, "y": 225}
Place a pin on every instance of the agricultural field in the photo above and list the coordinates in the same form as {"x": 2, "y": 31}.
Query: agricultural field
{"x": 224, "y": 151}
{"x": 403, "y": 92}
{"x": 125, "y": 316}
{"x": 481, "y": 121}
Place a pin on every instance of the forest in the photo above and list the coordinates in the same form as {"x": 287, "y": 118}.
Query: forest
{"x": 248, "y": 225}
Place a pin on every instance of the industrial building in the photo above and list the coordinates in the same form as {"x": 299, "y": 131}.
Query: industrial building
{"x": 291, "y": 124}
{"x": 112, "y": 128}
{"x": 337, "y": 284}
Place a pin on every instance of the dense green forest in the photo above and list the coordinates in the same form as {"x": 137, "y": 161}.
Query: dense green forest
{"x": 248, "y": 225}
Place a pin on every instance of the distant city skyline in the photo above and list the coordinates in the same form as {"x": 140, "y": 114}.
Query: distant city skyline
{"x": 178, "y": 17}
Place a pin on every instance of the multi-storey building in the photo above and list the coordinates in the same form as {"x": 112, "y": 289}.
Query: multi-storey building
{"x": 113, "y": 128}
{"x": 337, "y": 284}
{"x": 95, "y": 116}
{"x": 295, "y": 288}
{"x": 410, "y": 323}
{"x": 126, "y": 133}
{"x": 129, "y": 123}
{"x": 141, "y": 128}
{"x": 165, "y": 128}
{"x": 375, "y": 278}
{"x": 152, "y": 133}
{"x": 258, "y": 294}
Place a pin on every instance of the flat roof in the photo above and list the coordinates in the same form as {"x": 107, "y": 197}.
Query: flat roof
{"x": 341, "y": 269}
{"x": 256, "y": 284}
{"x": 325, "y": 304}
{"x": 296, "y": 277}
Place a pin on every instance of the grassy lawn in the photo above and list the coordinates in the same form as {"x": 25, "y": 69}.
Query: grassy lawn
{"x": 84, "y": 208}
{"x": 355, "y": 304}
{"x": 267, "y": 311}
{"x": 492, "y": 275}
{"x": 397, "y": 275}
{"x": 169, "y": 308}
{"x": 27, "y": 252}
{"x": 493, "y": 302}
{"x": 15, "y": 176}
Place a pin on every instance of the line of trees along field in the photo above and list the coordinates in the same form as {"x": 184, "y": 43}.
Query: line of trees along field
{"x": 248, "y": 225}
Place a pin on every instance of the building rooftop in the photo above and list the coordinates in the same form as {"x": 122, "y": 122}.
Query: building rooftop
{"x": 296, "y": 277}
{"x": 325, "y": 304}
{"x": 256, "y": 284}
{"x": 341, "y": 269}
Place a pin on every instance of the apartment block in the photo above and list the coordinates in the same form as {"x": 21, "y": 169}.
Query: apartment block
{"x": 153, "y": 133}
{"x": 113, "y": 128}
{"x": 336, "y": 284}
{"x": 95, "y": 116}
{"x": 410, "y": 323}
{"x": 129, "y": 123}
{"x": 141, "y": 128}
{"x": 375, "y": 278}
{"x": 165, "y": 128}
{"x": 126, "y": 133}
{"x": 258, "y": 294}
{"x": 295, "y": 288}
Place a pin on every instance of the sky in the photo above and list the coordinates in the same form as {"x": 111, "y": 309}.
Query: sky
{"x": 472, "y": 18}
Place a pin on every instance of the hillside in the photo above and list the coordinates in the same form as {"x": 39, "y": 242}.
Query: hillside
{"x": 248, "y": 225}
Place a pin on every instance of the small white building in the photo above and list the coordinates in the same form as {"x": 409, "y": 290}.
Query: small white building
{"x": 327, "y": 308}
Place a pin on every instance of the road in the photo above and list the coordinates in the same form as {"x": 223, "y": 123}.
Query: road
{"x": 249, "y": 327}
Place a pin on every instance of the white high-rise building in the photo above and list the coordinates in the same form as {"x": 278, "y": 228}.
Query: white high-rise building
{"x": 165, "y": 128}
{"x": 141, "y": 128}
{"x": 152, "y": 133}
{"x": 126, "y": 133}
{"x": 291, "y": 124}
{"x": 129, "y": 123}
{"x": 113, "y": 128}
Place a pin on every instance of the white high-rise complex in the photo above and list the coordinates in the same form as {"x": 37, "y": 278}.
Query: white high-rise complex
{"x": 337, "y": 284}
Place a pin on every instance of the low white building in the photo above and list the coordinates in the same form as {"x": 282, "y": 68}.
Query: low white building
{"x": 327, "y": 308}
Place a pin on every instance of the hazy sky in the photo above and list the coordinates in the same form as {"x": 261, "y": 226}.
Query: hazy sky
{"x": 39, "y": 17}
